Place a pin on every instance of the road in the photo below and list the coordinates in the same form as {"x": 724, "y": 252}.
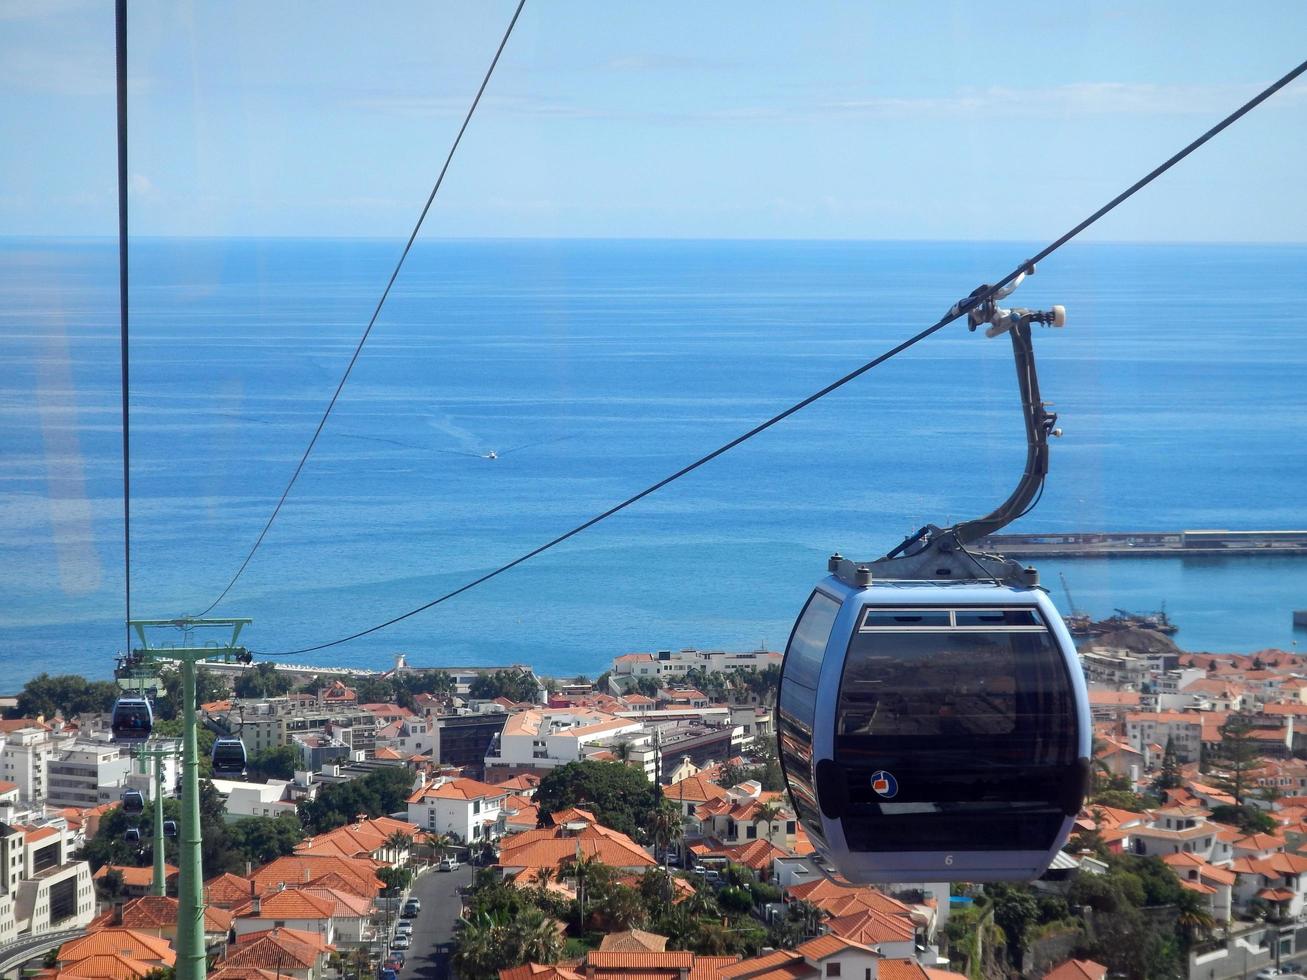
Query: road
{"x": 433, "y": 929}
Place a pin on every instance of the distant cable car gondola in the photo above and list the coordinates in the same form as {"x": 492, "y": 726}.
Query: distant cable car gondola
{"x": 133, "y": 801}
{"x": 933, "y": 721}
{"x": 133, "y": 835}
{"x": 133, "y": 719}
{"x": 170, "y": 828}
{"x": 228, "y": 757}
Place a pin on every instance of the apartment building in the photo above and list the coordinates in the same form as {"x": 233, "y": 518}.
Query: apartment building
{"x": 41, "y": 889}
{"x": 672, "y": 665}
{"x": 87, "y": 774}
{"x": 29, "y": 746}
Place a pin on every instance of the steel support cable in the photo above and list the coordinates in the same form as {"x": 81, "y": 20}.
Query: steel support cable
{"x": 960, "y": 309}
{"x": 358, "y": 349}
{"x": 120, "y": 59}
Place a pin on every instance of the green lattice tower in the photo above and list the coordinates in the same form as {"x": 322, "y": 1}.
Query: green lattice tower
{"x": 190, "y": 885}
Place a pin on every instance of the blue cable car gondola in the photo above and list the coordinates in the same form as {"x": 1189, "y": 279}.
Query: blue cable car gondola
{"x": 133, "y": 719}
{"x": 133, "y": 801}
{"x": 133, "y": 835}
{"x": 228, "y": 758}
{"x": 170, "y": 828}
{"x": 933, "y": 721}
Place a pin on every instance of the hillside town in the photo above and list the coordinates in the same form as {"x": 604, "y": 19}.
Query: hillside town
{"x": 633, "y": 826}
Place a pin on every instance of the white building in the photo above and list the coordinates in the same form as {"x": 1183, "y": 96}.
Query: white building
{"x": 672, "y": 665}
{"x": 545, "y": 738}
{"x": 464, "y": 808}
{"x": 87, "y": 774}
{"x": 255, "y": 799}
{"x": 28, "y": 748}
{"x": 41, "y": 890}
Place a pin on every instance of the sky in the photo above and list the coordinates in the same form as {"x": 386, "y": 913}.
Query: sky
{"x": 994, "y": 121}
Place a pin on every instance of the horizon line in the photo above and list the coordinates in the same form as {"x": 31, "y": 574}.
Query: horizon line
{"x": 112, "y": 239}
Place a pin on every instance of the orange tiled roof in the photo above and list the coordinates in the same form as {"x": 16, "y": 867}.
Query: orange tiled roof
{"x": 1077, "y": 970}
{"x": 293, "y": 903}
{"x": 614, "y": 960}
{"x": 537, "y": 971}
{"x": 303, "y": 869}
{"x": 245, "y": 973}
{"x": 824, "y": 946}
{"x": 159, "y": 912}
{"x": 869, "y": 927}
{"x": 710, "y": 967}
{"x": 108, "y": 966}
{"x": 134, "y": 877}
{"x": 130, "y": 943}
{"x": 902, "y": 970}
{"x": 633, "y": 941}
{"x": 226, "y": 890}
{"x": 273, "y": 950}
{"x": 459, "y": 789}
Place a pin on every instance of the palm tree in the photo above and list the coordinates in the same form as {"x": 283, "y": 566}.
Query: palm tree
{"x": 400, "y": 843}
{"x": 536, "y": 937}
{"x": 809, "y": 914}
{"x": 581, "y": 868}
{"x": 769, "y": 811}
{"x": 1193, "y": 917}
{"x": 666, "y": 826}
{"x": 477, "y": 948}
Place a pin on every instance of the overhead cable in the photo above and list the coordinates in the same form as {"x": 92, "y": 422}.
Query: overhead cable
{"x": 358, "y": 349}
{"x": 120, "y": 58}
{"x": 960, "y": 309}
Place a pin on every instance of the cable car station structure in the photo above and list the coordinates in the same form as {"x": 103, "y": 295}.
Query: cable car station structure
{"x": 191, "y": 963}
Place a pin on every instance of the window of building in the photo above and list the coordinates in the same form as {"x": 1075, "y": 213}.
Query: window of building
{"x": 832, "y": 969}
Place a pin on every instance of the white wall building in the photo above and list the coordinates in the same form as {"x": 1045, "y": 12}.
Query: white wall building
{"x": 672, "y": 665}
{"x": 465, "y": 808}
{"x": 87, "y": 774}
{"x": 546, "y": 738}
{"x": 28, "y": 748}
{"x": 41, "y": 890}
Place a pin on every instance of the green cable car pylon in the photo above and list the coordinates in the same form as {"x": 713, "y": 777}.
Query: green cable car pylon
{"x": 191, "y": 963}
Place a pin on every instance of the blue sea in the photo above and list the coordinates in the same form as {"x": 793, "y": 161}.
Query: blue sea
{"x": 594, "y": 368}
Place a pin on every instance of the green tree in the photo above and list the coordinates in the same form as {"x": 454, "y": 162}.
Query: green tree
{"x": 377, "y": 794}
{"x": 1247, "y": 818}
{"x": 68, "y": 695}
{"x": 1171, "y": 777}
{"x": 516, "y": 685}
{"x": 263, "y": 681}
{"x": 209, "y": 686}
{"x": 374, "y": 689}
{"x": 277, "y": 762}
{"x": 1237, "y": 755}
{"x": 1015, "y": 911}
{"x": 619, "y": 796}
{"x": 262, "y": 839}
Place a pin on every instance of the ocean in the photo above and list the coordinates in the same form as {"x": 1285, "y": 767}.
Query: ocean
{"x": 592, "y": 369}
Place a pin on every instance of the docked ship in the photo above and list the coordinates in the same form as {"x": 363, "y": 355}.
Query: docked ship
{"x": 1082, "y": 624}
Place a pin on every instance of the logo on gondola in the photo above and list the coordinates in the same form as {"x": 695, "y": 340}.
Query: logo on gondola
{"x": 885, "y": 784}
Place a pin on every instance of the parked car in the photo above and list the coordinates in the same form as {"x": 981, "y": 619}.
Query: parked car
{"x": 672, "y": 859}
{"x": 395, "y": 960}
{"x": 411, "y": 908}
{"x": 448, "y": 864}
{"x": 385, "y": 973}
{"x": 404, "y": 926}
{"x": 699, "y": 869}
{"x": 710, "y": 875}
{"x": 402, "y": 941}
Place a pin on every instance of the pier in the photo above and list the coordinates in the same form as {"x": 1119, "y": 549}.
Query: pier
{"x": 1149, "y": 544}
